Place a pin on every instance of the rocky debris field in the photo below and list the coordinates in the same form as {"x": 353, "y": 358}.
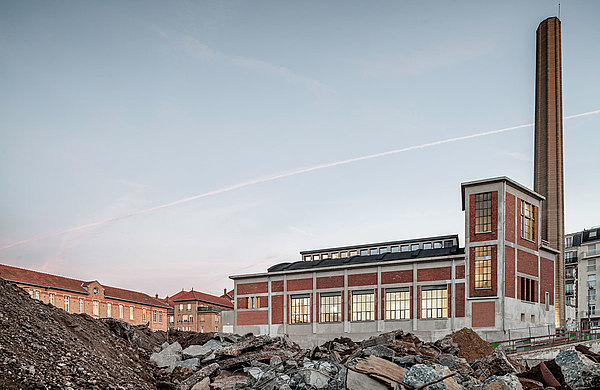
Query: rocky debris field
{"x": 43, "y": 347}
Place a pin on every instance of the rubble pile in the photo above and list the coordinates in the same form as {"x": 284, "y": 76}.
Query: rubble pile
{"x": 43, "y": 347}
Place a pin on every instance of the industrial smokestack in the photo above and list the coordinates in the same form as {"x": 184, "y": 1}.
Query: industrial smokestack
{"x": 548, "y": 168}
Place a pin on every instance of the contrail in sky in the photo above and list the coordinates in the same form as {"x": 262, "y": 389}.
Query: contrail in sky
{"x": 281, "y": 176}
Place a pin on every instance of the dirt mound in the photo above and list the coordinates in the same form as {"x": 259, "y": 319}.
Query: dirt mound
{"x": 188, "y": 338}
{"x": 470, "y": 345}
{"x": 43, "y": 347}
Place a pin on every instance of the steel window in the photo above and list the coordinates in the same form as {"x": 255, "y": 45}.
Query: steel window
{"x": 397, "y": 304}
{"x": 483, "y": 212}
{"x": 300, "y": 313}
{"x": 331, "y": 307}
{"x": 527, "y": 231}
{"x": 434, "y": 302}
{"x": 483, "y": 267}
{"x": 363, "y": 306}
{"x": 253, "y": 302}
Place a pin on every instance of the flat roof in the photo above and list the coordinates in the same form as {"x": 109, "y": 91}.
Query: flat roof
{"x": 495, "y": 180}
{"x": 386, "y": 243}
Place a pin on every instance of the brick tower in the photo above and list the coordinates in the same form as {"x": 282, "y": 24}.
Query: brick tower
{"x": 548, "y": 168}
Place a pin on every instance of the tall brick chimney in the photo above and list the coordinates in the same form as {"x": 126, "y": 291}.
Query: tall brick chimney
{"x": 548, "y": 168}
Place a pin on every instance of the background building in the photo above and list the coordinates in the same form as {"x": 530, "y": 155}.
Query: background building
{"x": 195, "y": 311}
{"x": 92, "y": 298}
{"x": 503, "y": 279}
{"x": 582, "y": 253}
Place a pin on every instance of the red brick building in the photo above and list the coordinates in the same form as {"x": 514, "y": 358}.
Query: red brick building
{"x": 195, "y": 311}
{"x": 502, "y": 279}
{"x": 93, "y": 298}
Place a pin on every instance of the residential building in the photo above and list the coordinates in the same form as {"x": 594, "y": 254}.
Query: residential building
{"x": 92, "y": 298}
{"x": 582, "y": 263}
{"x": 171, "y": 311}
{"x": 503, "y": 278}
{"x": 195, "y": 311}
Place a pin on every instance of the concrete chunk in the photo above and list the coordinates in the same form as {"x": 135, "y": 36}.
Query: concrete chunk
{"x": 358, "y": 381}
{"x": 196, "y": 351}
{"x": 167, "y": 356}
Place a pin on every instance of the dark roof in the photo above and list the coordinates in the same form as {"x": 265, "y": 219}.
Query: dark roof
{"x": 421, "y": 253}
{"x": 341, "y": 248}
{"x": 44, "y": 280}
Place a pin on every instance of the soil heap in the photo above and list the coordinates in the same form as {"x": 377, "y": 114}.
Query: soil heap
{"x": 44, "y": 347}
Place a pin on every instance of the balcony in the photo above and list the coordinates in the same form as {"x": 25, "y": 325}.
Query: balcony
{"x": 210, "y": 308}
{"x": 571, "y": 260}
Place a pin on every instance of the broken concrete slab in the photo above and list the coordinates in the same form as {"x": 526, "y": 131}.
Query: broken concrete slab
{"x": 505, "y": 382}
{"x": 358, "y": 381}
{"x": 198, "y": 376}
{"x": 204, "y": 384}
{"x": 196, "y": 351}
{"x": 572, "y": 363}
{"x": 191, "y": 364}
{"x": 167, "y": 356}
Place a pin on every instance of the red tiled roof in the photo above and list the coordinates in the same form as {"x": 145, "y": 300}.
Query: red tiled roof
{"x": 175, "y": 296}
{"x": 132, "y": 296}
{"x": 196, "y": 295}
{"x": 42, "y": 279}
{"x": 228, "y": 295}
{"x": 166, "y": 302}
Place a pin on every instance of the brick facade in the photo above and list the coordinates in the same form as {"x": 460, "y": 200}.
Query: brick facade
{"x": 96, "y": 300}
{"x": 431, "y": 286}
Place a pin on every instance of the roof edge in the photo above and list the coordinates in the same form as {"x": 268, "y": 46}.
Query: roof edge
{"x": 506, "y": 179}
{"x": 460, "y": 256}
{"x": 446, "y": 236}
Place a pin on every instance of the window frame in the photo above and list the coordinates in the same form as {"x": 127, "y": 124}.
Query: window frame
{"x": 397, "y": 303}
{"x": 434, "y": 300}
{"x": 362, "y": 310}
{"x": 482, "y": 264}
{"x": 527, "y": 221}
{"x": 300, "y": 309}
{"x": 330, "y": 307}
{"x": 483, "y": 213}
{"x": 253, "y": 302}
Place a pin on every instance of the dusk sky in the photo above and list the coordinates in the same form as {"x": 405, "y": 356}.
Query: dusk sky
{"x": 111, "y": 109}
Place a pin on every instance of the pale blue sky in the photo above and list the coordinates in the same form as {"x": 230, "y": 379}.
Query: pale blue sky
{"x": 108, "y": 108}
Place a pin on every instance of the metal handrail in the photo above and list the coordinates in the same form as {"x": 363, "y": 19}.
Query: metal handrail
{"x": 536, "y": 342}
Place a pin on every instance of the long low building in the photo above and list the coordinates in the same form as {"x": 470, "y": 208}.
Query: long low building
{"x": 503, "y": 278}
{"x": 78, "y": 296}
